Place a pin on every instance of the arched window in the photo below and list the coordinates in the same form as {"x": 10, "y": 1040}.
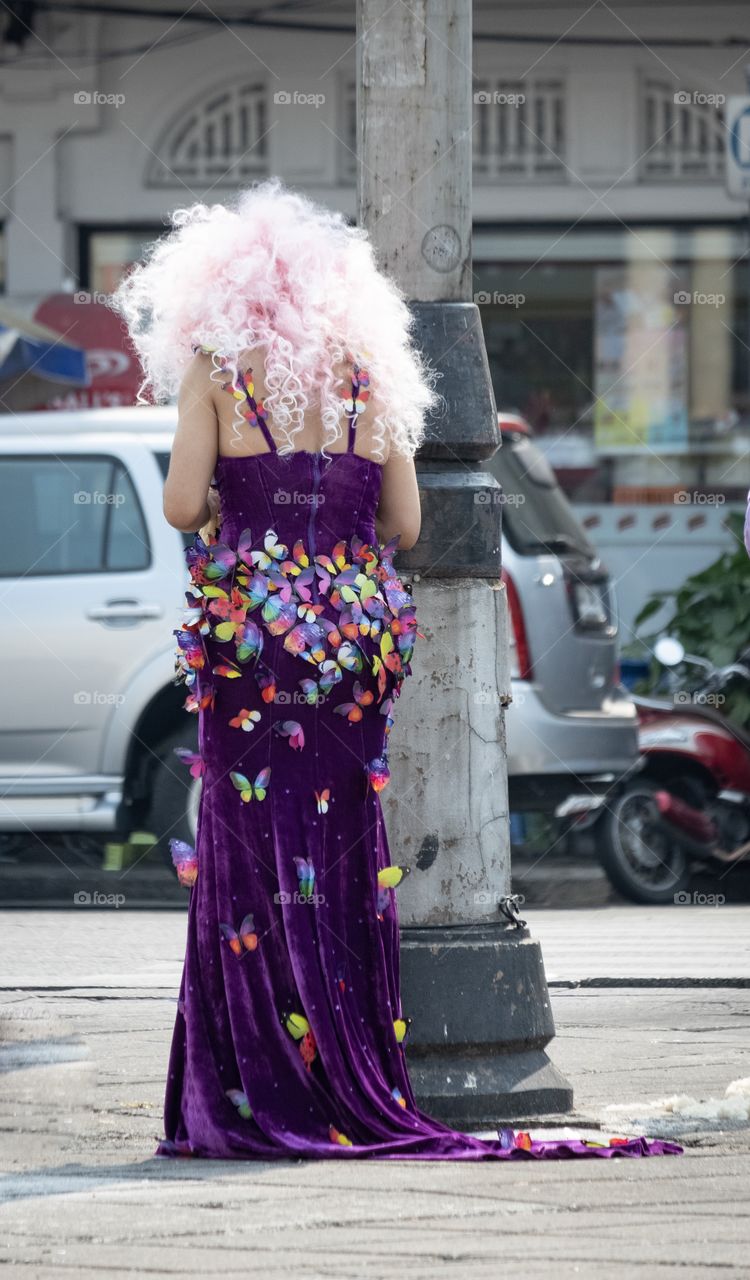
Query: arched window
{"x": 219, "y": 140}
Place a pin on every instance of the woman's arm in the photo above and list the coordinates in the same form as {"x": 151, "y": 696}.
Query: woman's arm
{"x": 194, "y": 449}
{"x": 399, "y": 509}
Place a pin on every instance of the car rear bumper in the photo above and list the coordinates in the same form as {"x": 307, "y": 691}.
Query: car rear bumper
{"x": 553, "y": 756}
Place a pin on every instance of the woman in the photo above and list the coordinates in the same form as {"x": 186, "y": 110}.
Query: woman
{"x": 301, "y": 394}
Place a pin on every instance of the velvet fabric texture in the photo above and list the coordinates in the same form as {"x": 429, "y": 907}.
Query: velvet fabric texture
{"x": 289, "y": 1036}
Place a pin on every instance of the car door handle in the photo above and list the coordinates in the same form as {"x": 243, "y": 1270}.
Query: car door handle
{"x": 124, "y": 610}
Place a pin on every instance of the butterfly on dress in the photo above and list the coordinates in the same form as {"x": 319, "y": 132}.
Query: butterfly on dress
{"x": 398, "y": 1096}
{"x": 266, "y": 682}
{"x": 336, "y": 1136}
{"x": 292, "y": 730}
{"x": 306, "y": 876}
{"x": 388, "y": 878}
{"x": 273, "y": 553}
{"x": 193, "y": 759}
{"x": 223, "y": 560}
{"x": 251, "y": 790}
{"x": 322, "y": 798}
{"x": 227, "y": 668}
{"x": 185, "y": 862}
{"x": 378, "y": 773}
{"x": 348, "y": 658}
{"x": 243, "y": 939}
{"x": 249, "y": 641}
{"x": 306, "y": 640}
{"x": 401, "y": 1028}
{"x": 198, "y": 702}
{"x": 301, "y": 1031}
{"x": 245, "y": 719}
{"x": 353, "y": 710}
{"x": 240, "y": 1100}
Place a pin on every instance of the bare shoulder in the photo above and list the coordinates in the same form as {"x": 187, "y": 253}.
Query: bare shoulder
{"x": 197, "y": 376}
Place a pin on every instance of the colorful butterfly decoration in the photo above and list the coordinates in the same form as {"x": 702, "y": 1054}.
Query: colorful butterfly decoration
{"x": 321, "y": 799}
{"x": 398, "y": 1096}
{"x": 243, "y": 939}
{"x": 240, "y": 1100}
{"x": 300, "y": 1030}
{"x": 348, "y": 658}
{"x": 378, "y": 773}
{"x": 306, "y": 876}
{"x": 228, "y": 669}
{"x": 388, "y": 879}
{"x": 266, "y": 683}
{"x": 336, "y": 1136}
{"x": 401, "y": 1028}
{"x": 310, "y": 691}
{"x": 273, "y": 551}
{"x": 251, "y": 790}
{"x": 185, "y": 861}
{"x": 353, "y": 710}
{"x": 192, "y": 759}
{"x": 249, "y": 641}
{"x": 245, "y": 719}
{"x": 198, "y": 702}
{"x": 292, "y": 730}
{"x": 307, "y": 641}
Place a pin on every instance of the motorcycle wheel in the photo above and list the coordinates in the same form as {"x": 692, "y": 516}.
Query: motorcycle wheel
{"x": 643, "y": 861}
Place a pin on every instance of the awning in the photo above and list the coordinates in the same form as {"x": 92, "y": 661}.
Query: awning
{"x": 35, "y": 363}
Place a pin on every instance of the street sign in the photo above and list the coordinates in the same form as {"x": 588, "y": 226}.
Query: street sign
{"x": 737, "y": 120}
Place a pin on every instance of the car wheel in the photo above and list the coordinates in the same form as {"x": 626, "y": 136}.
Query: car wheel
{"x": 643, "y": 860}
{"x": 175, "y": 795}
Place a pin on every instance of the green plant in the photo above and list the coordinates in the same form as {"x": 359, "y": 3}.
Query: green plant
{"x": 712, "y": 620}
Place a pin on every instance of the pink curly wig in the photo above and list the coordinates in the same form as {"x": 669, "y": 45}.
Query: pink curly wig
{"x": 276, "y": 272}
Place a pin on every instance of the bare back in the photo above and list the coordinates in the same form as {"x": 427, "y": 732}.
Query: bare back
{"x": 310, "y": 438}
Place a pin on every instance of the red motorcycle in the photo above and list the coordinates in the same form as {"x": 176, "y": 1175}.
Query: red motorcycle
{"x": 688, "y": 799}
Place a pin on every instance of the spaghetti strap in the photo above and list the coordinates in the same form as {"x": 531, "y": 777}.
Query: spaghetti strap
{"x": 255, "y": 417}
{"x": 356, "y": 402}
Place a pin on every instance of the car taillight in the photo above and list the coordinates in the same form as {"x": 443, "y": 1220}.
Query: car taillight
{"x": 519, "y": 649}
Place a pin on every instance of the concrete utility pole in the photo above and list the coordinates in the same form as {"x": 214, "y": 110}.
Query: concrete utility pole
{"x": 472, "y": 981}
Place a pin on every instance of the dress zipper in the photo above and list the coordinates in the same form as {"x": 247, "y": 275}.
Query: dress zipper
{"x": 312, "y": 518}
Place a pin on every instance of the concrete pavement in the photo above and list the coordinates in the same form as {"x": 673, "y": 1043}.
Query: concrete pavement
{"x": 87, "y": 1006}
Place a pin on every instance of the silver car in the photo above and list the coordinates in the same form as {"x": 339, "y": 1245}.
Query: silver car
{"x": 93, "y": 581}
{"x": 572, "y": 729}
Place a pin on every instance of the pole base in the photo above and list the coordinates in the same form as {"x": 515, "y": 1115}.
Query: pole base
{"x": 482, "y": 1019}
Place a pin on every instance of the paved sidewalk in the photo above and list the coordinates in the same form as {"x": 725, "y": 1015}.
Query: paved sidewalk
{"x": 86, "y": 1012}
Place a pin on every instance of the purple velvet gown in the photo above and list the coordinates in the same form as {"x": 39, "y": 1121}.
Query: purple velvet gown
{"x": 289, "y": 1035}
